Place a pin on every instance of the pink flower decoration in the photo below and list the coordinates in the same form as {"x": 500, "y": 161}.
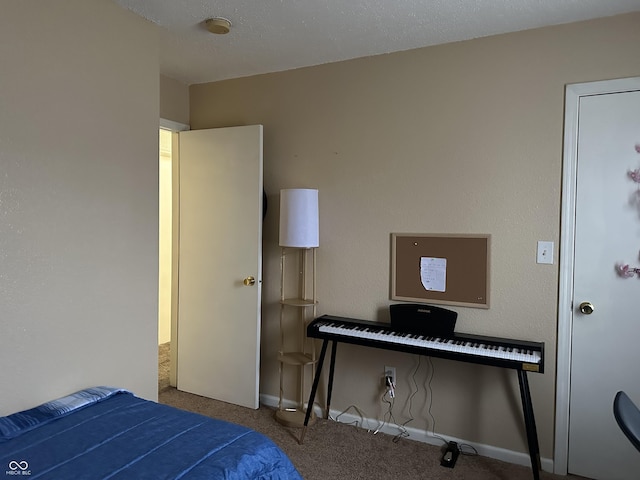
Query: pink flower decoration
{"x": 635, "y": 175}
{"x": 638, "y": 147}
{"x": 624, "y": 271}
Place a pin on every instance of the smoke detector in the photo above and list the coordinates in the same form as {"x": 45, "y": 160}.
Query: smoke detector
{"x": 218, "y": 25}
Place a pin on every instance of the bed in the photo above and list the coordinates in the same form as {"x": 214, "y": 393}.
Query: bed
{"x": 109, "y": 433}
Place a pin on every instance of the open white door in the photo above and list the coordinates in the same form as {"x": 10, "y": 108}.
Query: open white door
{"x": 220, "y": 247}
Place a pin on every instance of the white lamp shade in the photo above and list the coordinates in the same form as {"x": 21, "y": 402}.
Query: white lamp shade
{"x": 299, "y": 218}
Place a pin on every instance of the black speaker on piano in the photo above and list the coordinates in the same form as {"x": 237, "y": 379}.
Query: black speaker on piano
{"x": 423, "y": 319}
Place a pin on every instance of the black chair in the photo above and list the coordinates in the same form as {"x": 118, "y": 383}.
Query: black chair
{"x": 628, "y": 417}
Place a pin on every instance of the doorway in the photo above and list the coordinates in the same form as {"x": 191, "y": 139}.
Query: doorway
{"x": 214, "y": 179}
{"x": 168, "y": 251}
{"x": 165, "y": 240}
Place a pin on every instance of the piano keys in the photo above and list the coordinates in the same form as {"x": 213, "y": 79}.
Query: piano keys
{"x": 499, "y": 352}
{"x": 522, "y": 356}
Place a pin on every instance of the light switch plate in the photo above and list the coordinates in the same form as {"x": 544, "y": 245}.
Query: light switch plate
{"x": 545, "y": 252}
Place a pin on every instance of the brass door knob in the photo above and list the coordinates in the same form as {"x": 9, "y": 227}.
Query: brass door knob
{"x": 587, "y": 308}
{"x": 249, "y": 281}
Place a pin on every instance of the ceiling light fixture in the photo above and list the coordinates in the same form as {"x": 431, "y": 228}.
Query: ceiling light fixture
{"x": 218, "y": 25}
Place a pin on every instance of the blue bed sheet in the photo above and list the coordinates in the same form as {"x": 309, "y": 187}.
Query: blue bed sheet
{"x": 122, "y": 436}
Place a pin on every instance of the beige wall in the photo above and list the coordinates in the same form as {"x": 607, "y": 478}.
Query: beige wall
{"x": 460, "y": 138}
{"x": 78, "y": 200}
{"x": 174, "y": 100}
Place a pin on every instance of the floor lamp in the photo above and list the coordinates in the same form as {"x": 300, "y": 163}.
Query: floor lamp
{"x": 299, "y": 238}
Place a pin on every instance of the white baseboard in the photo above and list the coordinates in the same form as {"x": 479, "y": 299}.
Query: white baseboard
{"x": 372, "y": 424}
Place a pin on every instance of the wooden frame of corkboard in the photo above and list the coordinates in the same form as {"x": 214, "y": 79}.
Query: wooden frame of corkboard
{"x": 467, "y": 268}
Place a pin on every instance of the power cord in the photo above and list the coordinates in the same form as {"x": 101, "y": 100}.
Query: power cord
{"x": 472, "y": 453}
{"x": 390, "y": 391}
{"x": 404, "y": 433}
{"x": 430, "y": 392}
{"x": 390, "y": 386}
{"x": 388, "y": 416}
{"x": 355, "y": 422}
{"x": 459, "y": 446}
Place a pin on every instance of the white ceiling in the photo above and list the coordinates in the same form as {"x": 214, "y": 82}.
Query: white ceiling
{"x": 275, "y": 35}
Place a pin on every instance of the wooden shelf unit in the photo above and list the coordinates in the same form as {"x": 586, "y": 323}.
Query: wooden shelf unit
{"x": 302, "y": 306}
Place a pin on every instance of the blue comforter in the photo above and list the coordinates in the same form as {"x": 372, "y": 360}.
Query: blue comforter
{"x": 109, "y": 433}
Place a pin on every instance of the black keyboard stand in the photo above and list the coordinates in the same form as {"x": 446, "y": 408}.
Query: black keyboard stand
{"x": 527, "y": 405}
{"x": 530, "y": 423}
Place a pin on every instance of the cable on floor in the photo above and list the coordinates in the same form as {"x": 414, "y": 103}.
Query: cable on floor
{"x": 430, "y": 394}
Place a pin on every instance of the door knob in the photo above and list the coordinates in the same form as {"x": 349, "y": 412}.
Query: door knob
{"x": 587, "y": 308}
{"x": 249, "y": 281}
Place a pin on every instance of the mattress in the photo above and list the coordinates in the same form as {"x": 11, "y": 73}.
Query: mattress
{"x": 105, "y": 433}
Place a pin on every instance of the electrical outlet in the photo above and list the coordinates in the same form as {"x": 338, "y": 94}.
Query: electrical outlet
{"x": 390, "y": 372}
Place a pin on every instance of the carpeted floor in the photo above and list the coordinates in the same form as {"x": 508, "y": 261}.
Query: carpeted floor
{"x": 335, "y": 451}
{"x": 163, "y": 366}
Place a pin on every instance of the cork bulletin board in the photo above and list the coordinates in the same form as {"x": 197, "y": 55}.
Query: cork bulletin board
{"x": 442, "y": 269}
